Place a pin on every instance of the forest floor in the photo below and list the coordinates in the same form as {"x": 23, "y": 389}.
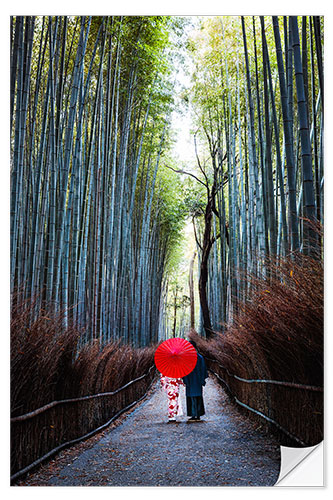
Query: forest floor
{"x": 142, "y": 449}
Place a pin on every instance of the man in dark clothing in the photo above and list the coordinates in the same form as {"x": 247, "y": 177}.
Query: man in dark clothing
{"x": 194, "y": 382}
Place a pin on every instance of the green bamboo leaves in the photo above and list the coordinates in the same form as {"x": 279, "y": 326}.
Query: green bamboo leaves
{"x": 268, "y": 100}
{"x": 89, "y": 122}
{"x": 95, "y": 217}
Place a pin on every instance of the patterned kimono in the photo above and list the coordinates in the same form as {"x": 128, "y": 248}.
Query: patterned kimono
{"x": 171, "y": 387}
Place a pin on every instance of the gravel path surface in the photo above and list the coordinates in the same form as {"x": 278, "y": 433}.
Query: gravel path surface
{"x": 225, "y": 449}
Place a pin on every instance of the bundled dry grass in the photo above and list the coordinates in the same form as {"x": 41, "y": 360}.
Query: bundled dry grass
{"x": 41, "y": 358}
{"x": 110, "y": 368}
{"x": 46, "y": 367}
{"x": 278, "y": 335}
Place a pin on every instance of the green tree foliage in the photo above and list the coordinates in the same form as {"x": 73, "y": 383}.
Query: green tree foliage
{"x": 94, "y": 219}
{"x": 97, "y": 202}
{"x": 257, "y": 130}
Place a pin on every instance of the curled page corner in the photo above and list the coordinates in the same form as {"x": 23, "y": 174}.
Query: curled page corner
{"x": 302, "y": 466}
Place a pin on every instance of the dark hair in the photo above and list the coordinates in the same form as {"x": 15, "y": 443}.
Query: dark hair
{"x": 193, "y": 343}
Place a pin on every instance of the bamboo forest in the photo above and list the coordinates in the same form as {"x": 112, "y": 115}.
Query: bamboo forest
{"x": 167, "y": 180}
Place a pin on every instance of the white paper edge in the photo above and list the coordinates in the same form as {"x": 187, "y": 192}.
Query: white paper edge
{"x": 302, "y": 466}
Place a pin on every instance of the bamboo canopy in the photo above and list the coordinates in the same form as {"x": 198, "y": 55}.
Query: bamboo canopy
{"x": 98, "y": 202}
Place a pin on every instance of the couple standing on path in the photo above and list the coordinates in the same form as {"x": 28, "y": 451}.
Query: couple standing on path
{"x": 193, "y": 382}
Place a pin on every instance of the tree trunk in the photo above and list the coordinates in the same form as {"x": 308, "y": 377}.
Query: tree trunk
{"x": 191, "y": 287}
{"x": 287, "y": 126}
{"x": 309, "y": 198}
{"x": 206, "y": 246}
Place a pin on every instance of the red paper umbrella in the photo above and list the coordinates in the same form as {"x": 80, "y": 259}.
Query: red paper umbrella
{"x": 175, "y": 358}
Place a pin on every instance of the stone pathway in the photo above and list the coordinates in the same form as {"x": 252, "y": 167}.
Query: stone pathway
{"x": 225, "y": 449}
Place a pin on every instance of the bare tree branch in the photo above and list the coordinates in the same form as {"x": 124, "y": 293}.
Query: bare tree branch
{"x": 195, "y": 234}
{"x": 198, "y": 160}
{"x": 187, "y": 173}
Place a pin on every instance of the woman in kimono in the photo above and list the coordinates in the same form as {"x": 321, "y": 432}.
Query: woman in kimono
{"x": 171, "y": 387}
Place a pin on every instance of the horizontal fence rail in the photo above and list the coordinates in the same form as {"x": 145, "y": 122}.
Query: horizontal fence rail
{"x": 265, "y": 381}
{"x": 48, "y": 406}
{"x": 259, "y": 413}
{"x": 297, "y": 417}
{"x": 40, "y": 434}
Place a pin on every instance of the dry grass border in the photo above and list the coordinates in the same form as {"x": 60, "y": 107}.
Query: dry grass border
{"x": 278, "y": 335}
